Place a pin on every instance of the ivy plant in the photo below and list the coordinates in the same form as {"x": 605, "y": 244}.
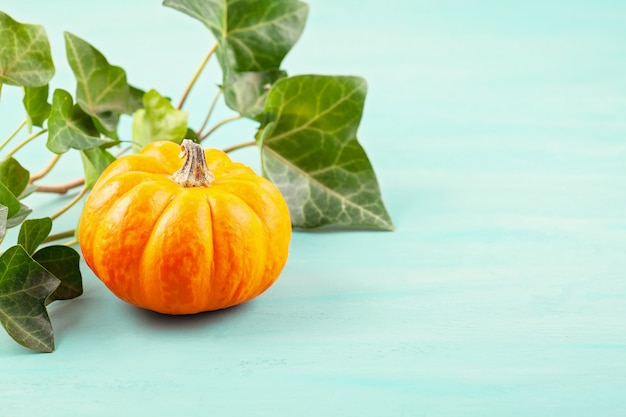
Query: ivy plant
{"x": 307, "y": 139}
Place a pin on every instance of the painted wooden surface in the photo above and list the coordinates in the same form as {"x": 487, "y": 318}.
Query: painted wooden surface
{"x": 498, "y": 133}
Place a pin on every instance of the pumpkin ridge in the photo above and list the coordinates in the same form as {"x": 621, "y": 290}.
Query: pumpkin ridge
{"x": 245, "y": 281}
{"x": 146, "y": 247}
{"x": 224, "y": 297}
{"x": 211, "y": 217}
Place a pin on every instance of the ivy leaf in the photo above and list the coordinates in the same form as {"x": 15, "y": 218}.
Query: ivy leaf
{"x": 25, "y": 57}
{"x": 14, "y": 176}
{"x": 69, "y": 127}
{"x": 252, "y": 35}
{"x": 36, "y": 105}
{"x": 192, "y": 134}
{"x": 63, "y": 263}
{"x": 30, "y": 188}
{"x": 4, "y": 214}
{"x": 135, "y": 99}
{"x": 245, "y": 92}
{"x": 310, "y": 151}
{"x": 24, "y": 287}
{"x": 102, "y": 90}
{"x": 158, "y": 120}
{"x": 8, "y": 199}
{"x": 13, "y": 182}
{"x": 94, "y": 162}
{"x": 19, "y": 217}
{"x": 33, "y": 232}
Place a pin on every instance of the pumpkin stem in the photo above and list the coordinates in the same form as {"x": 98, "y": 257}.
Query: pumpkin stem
{"x": 195, "y": 172}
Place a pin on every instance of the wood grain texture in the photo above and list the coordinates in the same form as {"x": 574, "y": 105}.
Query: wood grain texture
{"x": 497, "y": 134}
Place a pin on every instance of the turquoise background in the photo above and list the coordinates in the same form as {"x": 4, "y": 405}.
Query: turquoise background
{"x": 498, "y": 134}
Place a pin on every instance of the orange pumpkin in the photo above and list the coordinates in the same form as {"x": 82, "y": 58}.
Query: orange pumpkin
{"x": 184, "y": 236}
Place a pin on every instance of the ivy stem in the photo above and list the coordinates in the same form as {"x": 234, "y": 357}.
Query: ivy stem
{"x": 46, "y": 170}
{"x": 196, "y": 75}
{"x": 71, "y": 204}
{"x": 26, "y": 141}
{"x": 240, "y": 146}
{"x": 208, "y": 115}
{"x": 61, "y": 188}
{"x": 220, "y": 124}
{"x": 12, "y": 135}
{"x": 64, "y": 188}
{"x": 59, "y": 236}
{"x": 70, "y": 242}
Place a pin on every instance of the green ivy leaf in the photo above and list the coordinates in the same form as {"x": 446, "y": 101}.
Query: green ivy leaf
{"x": 310, "y": 151}
{"x": 102, "y": 90}
{"x": 135, "y": 99}
{"x": 192, "y": 134}
{"x": 19, "y": 217}
{"x": 158, "y": 120}
{"x": 63, "y": 262}
{"x": 94, "y": 162}
{"x": 24, "y": 287}
{"x": 14, "y": 176}
{"x": 4, "y": 214}
{"x": 253, "y": 35}
{"x": 33, "y": 232}
{"x": 245, "y": 92}
{"x": 36, "y": 105}
{"x": 25, "y": 57}
{"x": 8, "y": 199}
{"x": 69, "y": 127}
{"x": 30, "y": 188}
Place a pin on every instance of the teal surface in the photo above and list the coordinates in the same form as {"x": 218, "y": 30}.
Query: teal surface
{"x": 498, "y": 133}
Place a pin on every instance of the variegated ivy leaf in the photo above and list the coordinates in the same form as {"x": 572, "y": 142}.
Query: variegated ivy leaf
{"x": 102, "y": 90}
{"x": 253, "y": 35}
{"x": 69, "y": 127}
{"x": 310, "y": 151}
{"x": 24, "y": 287}
{"x": 245, "y": 92}
{"x": 25, "y": 57}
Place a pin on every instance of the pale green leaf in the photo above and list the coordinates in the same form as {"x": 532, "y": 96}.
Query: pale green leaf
{"x": 69, "y": 127}
{"x": 310, "y": 151}
{"x": 158, "y": 120}
{"x": 25, "y": 57}
{"x": 102, "y": 90}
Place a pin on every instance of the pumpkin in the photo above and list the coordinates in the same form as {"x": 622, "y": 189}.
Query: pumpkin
{"x": 184, "y": 232}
